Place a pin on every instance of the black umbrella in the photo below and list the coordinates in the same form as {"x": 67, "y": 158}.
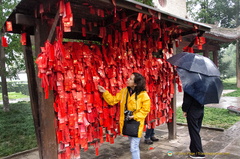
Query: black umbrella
{"x": 205, "y": 89}
{"x": 195, "y": 63}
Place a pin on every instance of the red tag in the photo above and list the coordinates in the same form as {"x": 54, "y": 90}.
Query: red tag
{"x": 123, "y": 25}
{"x": 92, "y": 10}
{"x": 139, "y": 18}
{"x": 61, "y": 7}
{"x": 4, "y": 42}
{"x": 41, "y": 9}
{"x": 24, "y": 38}
{"x": 84, "y": 32}
{"x": 202, "y": 40}
{"x": 125, "y": 36}
{"x": 9, "y": 26}
{"x": 159, "y": 44}
{"x": 83, "y": 21}
{"x": 196, "y": 42}
{"x": 199, "y": 47}
{"x": 68, "y": 9}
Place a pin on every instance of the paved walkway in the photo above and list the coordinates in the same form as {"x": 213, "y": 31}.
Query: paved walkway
{"x": 216, "y": 144}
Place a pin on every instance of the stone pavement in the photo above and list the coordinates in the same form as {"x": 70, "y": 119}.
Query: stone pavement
{"x": 216, "y": 144}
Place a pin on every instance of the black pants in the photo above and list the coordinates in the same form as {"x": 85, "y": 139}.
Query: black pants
{"x": 194, "y": 120}
{"x": 149, "y": 133}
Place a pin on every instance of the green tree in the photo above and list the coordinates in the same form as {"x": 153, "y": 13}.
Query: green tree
{"x": 11, "y": 60}
{"x": 227, "y": 60}
{"x": 147, "y": 2}
{"x": 225, "y": 13}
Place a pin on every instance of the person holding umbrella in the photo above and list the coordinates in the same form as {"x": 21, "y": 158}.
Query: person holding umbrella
{"x": 201, "y": 85}
{"x": 194, "y": 112}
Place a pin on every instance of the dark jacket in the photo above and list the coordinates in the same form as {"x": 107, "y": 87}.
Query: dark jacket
{"x": 191, "y": 105}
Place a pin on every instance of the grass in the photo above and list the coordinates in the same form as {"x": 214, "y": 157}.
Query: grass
{"x": 231, "y": 84}
{"x": 213, "y": 117}
{"x": 14, "y": 95}
{"x": 17, "y": 129}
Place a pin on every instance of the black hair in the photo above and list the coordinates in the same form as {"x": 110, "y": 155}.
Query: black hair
{"x": 140, "y": 82}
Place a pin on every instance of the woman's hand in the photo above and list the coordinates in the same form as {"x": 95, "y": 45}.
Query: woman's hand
{"x": 130, "y": 117}
{"x": 101, "y": 89}
{"x": 184, "y": 114}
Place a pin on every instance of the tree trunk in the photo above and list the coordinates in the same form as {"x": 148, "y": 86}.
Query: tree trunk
{"x": 238, "y": 64}
{"x": 3, "y": 77}
{"x": 238, "y": 47}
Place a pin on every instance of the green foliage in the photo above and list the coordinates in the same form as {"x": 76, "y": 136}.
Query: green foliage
{"x": 18, "y": 87}
{"x": 219, "y": 117}
{"x": 147, "y": 2}
{"x": 227, "y": 61}
{"x": 15, "y": 95}
{"x": 236, "y": 93}
{"x": 17, "y": 129}
{"x": 213, "y": 117}
{"x": 14, "y": 57}
{"x": 229, "y": 83}
{"x": 224, "y": 12}
{"x": 6, "y": 8}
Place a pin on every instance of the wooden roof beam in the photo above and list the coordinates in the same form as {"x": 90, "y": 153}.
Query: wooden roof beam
{"x": 24, "y": 19}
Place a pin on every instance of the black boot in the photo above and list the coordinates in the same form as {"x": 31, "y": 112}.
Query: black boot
{"x": 148, "y": 141}
{"x": 154, "y": 138}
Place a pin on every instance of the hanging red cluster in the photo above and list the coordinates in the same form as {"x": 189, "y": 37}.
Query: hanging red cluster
{"x": 199, "y": 41}
{"x": 67, "y": 17}
{"x": 4, "y": 42}
{"x": 74, "y": 70}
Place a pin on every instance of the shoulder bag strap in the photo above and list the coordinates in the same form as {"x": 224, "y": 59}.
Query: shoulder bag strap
{"x": 126, "y": 108}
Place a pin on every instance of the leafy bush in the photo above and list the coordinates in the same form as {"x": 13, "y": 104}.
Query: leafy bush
{"x": 17, "y": 86}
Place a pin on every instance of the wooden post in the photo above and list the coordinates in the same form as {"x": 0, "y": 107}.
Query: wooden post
{"x": 215, "y": 57}
{"x": 172, "y": 127}
{"x": 30, "y": 70}
{"x": 238, "y": 63}
{"x": 46, "y": 115}
{"x": 206, "y": 52}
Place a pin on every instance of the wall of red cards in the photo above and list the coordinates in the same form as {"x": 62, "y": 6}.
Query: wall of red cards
{"x": 73, "y": 70}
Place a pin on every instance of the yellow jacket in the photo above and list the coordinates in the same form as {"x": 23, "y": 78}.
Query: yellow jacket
{"x": 140, "y": 108}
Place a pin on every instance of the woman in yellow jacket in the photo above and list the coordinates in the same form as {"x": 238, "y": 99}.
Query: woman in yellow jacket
{"x": 138, "y": 102}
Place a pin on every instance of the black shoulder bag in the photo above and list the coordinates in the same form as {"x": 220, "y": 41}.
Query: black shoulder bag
{"x": 130, "y": 127}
